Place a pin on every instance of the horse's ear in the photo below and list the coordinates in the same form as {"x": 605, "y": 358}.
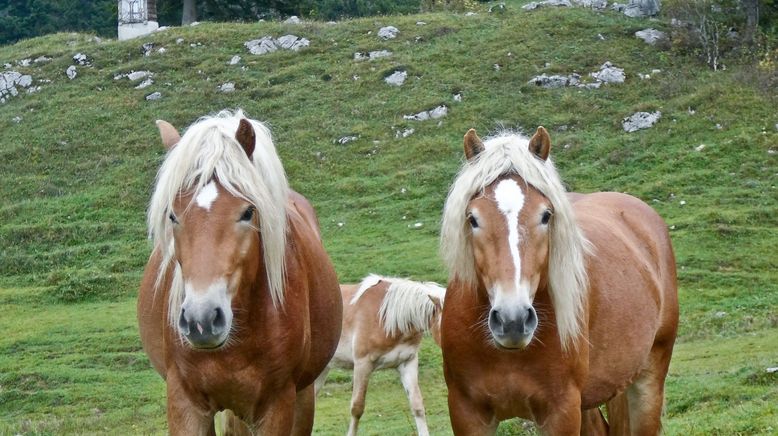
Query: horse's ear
{"x": 169, "y": 134}
{"x": 436, "y": 301}
{"x": 540, "y": 144}
{"x": 246, "y": 137}
{"x": 473, "y": 144}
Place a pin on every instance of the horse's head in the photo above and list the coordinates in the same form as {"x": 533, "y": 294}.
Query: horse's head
{"x": 215, "y": 246}
{"x": 509, "y": 227}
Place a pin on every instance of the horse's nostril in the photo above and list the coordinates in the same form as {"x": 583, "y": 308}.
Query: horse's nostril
{"x": 219, "y": 321}
{"x": 183, "y": 325}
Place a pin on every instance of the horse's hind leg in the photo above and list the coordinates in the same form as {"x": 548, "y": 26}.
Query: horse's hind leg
{"x": 409, "y": 374}
{"x": 303, "y": 412}
{"x": 362, "y": 370}
{"x": 645, "y": 396}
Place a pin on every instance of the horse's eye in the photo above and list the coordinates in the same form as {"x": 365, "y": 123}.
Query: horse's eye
{"x": 247, "y": 214}
{"x": 546, "y": 217}
{"x": 173, "y": 218}
{"x": 472, "y": 220}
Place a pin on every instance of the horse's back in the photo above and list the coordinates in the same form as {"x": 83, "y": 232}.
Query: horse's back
{"x": 633, "y": 301}
{"x": 317, "y": 275}
{"x": 151, "y": 313}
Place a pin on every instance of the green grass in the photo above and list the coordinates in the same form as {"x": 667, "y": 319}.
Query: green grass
{"x": 78, "y": 168}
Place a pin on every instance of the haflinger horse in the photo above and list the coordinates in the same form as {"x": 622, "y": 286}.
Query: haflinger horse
{"x": 239, "y": 306}
{"x": 557, "y": 303}
{"x": 384, "y": 320}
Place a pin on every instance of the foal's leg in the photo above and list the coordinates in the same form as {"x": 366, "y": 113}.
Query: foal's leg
{"x": 319, "y": 383}
{"x": 362, "y": 370}
{"x": 303, "y": 412}
{"x": 409, "y": 374}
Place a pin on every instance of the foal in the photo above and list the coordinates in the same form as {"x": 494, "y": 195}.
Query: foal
{"x": 384, "y": 320}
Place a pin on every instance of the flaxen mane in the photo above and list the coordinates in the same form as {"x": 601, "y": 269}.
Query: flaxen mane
{"x": 506, "y": 154}
{"x": 208, "y": 150}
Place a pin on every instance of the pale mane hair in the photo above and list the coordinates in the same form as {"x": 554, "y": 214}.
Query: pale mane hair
{"x": 406, "y": 308}
{"x": 208, "y": 150}
{"x": 508, "y": 154}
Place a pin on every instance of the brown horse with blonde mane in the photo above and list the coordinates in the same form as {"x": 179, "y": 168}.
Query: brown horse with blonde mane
{"x": 557, "y": 303}
{"x": 239, "y": 307}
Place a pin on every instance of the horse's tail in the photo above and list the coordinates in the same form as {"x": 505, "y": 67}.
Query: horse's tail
{"x": 410, "y": 306}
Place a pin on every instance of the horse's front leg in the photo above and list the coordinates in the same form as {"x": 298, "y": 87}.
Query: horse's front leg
{"x": 278, "y": 416}
{"x": 184, "y": 416}
{"x": 468, "y": 417}
{"x": 561, "y": 415}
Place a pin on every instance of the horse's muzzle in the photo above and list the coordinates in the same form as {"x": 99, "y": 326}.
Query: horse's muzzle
{"x": 513, "y": 328}
{"x": 203, "y": 328}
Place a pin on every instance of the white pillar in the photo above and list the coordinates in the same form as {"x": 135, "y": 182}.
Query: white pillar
{"x": 136, "y": 18}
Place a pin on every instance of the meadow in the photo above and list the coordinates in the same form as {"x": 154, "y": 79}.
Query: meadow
{"x": 78, "y": 159}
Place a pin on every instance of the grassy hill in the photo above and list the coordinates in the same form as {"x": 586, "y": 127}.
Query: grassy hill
{"x": 78, "y": 159}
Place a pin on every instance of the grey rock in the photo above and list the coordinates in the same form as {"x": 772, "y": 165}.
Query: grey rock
{"x": 435, "y": 113}
{"x": 147, "y": 48}
{"x": 16, "y": 119}
{"x": 261, "y": 46}
{"x": 609, "y": 74}
{"x": 292, "y": 42}
{"x": 640, "y": 120}
{"x": 397, "y": 78}
{"x": 154, "y": 96}
{"x": 268, "y": 44}
{"x": 619, "y": 7}
{"x": 24, "y": 62}
{"x": 554, "y": 81}
{"x": 457, "y": 97}
{"x": 82, "y": 59}
{"x": 235, "y": 60}
{"x": 542, "y": 4}
{"x": 11, "y": 82}
{"x": 642, "y": 8}
{"x": 137, "y": 75}
{"x": 145, "y": 84}
{"x": 404, "y": 133}
{"x": 346, "y": 139}
{"x": 373, "y": 55}
{"x": 294, "y": 19}
{"x": 471, "y": 14}
{"x": 593, "y": 4}
{"x": 71, "y": 72}
{"x": 227, "y": 87}
{"x": 650, "y": 36}
{"x": 388, "y": 32}
{"x": 421, "y": 23}
{"x": 179, "y": 40}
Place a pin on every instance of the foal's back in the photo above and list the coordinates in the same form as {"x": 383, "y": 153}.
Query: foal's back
{"x": 363, "y": 335}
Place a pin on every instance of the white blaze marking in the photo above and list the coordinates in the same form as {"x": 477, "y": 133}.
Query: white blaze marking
{"x": 207, "y": 196}
{"x": 510, "y": 201}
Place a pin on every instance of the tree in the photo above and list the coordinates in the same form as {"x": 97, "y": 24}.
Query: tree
{"x": 189, "y": 12}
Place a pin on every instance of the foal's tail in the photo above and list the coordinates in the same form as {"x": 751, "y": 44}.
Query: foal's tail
{"x": 410, "y": 306}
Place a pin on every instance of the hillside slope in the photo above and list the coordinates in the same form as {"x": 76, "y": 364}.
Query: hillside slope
{"x": 78, "y": 158}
